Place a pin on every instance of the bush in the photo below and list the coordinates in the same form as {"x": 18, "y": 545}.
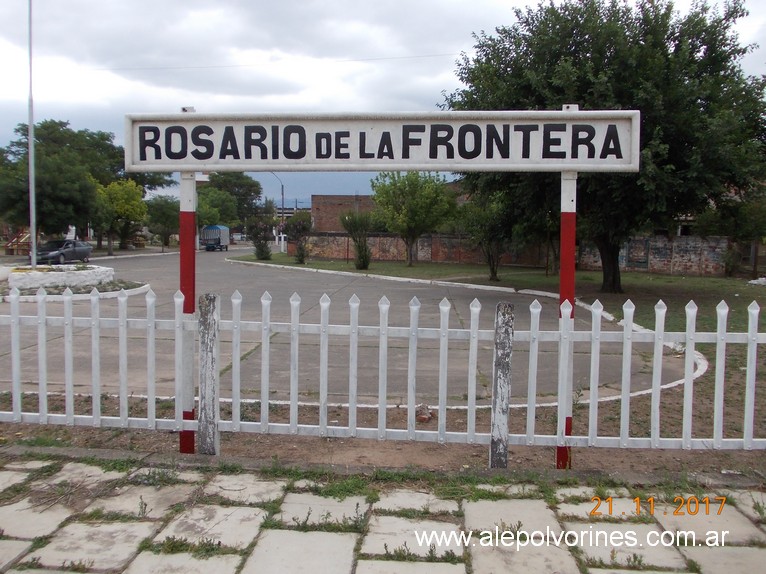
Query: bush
{"x": 358, "y": 226}
{"x": 298, "y": 229}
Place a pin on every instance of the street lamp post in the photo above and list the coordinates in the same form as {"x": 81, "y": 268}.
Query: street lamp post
{"x": 282, "y": 186}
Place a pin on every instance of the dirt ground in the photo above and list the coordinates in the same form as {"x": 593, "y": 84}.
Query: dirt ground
{"x": 361, "y": 454}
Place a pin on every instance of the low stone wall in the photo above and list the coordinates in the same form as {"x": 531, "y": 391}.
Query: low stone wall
{"x": 434, "y": 248}
{"x": 60, "y": 276}
{"x": 685, "y": 255}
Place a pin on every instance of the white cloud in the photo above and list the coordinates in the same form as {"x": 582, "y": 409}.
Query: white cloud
{"x": 95, "y": 60}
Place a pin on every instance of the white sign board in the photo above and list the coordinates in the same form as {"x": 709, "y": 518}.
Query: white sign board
{"x": 552, "y": 141}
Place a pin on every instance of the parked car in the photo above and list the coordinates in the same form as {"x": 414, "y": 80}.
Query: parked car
{"x": 63, "y": 250}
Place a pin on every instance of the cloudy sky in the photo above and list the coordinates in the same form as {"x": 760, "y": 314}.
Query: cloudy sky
{"x": 97, "y": 60}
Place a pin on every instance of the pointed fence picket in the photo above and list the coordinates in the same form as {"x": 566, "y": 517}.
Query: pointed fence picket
{"x": 39, "y": 328}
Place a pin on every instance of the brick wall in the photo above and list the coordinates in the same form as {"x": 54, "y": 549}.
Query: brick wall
{"x": 431, "y": 248}
{"x": 685, "y": 255}
{"x": 327, "y": 209}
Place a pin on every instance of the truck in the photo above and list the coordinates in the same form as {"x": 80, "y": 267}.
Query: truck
{"x": 214, "y": 238}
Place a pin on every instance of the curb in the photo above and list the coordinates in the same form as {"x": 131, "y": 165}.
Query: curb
{"x": 700, "y": 361}
{"x": 81, "y": 296}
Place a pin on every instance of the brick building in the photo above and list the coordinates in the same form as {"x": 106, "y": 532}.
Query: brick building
{"x": 327, "y": 209}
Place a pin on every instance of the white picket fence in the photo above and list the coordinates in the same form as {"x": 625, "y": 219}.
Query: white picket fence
{"x": 35, "y": 330}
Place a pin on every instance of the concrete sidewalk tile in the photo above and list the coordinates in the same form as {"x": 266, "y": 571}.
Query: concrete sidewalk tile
{"x": 572, "y": 491}
{"x": 402, "y": 499}
{"x": 245, "y": 488}
{"x": 740, "y": 529}
{"x": 295, "y": 552}
{"x": 10, "y": 477}
{"x": 79, "y": 473}
{"x": 24, "y": 519}
{"x": 143, "y": 501}
{"x": 731, "y": 559}
{"x": 26, "y": 464}
{"x": 26, "y": 570}
{"x": 392, "y": 567}
{"x": 614, "y": 545}
{"x": 588, "y": 492}
{"x": 102, "y": 546}
{"x": 621, "y": 508}
{"x": 542, "y": 560}
{"x": 521, "y": 489}
{"x": 621, "y": 571}
{"x": 234, "y": 526}
{"x": 10, "y": 550}
{"x": 393, "y": 533}
{"x": 746, "y": 502}
{"x": 533, "y": 515}
{"x": 183, "y": 564}
{"x": 182, "y": 475}
{"x": 299, "y": 507}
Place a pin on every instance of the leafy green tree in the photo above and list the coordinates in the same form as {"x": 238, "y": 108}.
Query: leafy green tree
{"x": 223, "y": 202}
{"x": 742, "y": 221}
{"x": 69, "y": 164}
{"x": 123, "y": 210}
{"x": 358, "y": 226}
{"x": 412, "y": 204}
{"x": 298, "y": 229}
{"x": 162, "y": 216}
{"x": 484, "y": 220}
{"x": 244, "y": 189}
{"x": 260, "y": 229}
{"x": 702, "y": 120}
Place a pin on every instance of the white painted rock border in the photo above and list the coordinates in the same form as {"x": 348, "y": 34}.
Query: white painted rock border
{"x": 60, "y": 276}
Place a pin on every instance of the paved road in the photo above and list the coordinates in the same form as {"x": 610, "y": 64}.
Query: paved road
{"x": 216, "y": 274}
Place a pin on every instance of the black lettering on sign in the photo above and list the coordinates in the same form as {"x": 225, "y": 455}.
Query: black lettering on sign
{"x": 408, "y": 140}
{"x": 255, "y": 136}
{"x": 526, "y": 130}
{"x": 462, "y": 141}
{"x": 582, "y": 135}
{"x": 549, "y": 141}
{"x": 288, "y": 150}
{"x": 323, "y": 143}
{"x": 204, "y": 148}
{"x": 441, "y": 134}
{"x": 495, "y": 141}
{"x": 341, "y": 144}
{"x": 385, "y": 147}
{"x": 148, "y": 136}
{"x": 229, "y": 144}
{"x": 363, "y": 153}
{"x": 274, "y": 142}
{"x": 182, "y": 150}
{"x": 611, "y": 143}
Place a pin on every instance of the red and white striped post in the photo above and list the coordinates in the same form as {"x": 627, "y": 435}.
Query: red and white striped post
{"x": 187, "y": 234}
{"x": 567, "y": 290}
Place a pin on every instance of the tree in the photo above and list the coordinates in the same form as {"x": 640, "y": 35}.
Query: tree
{"x": 484, "y": 220}
{"x": 69, "y": 165}
{"x": 223, "y": 202}
{"x": 162, "y": 216}
{"x": 123, "y": 210}
{"x": 260, "y": 229}
{"x": 244, "y": 189}
{"x": 741, "y": 221}
{"x": 358, "y": 226}
{"x": 297, "y": 229}
{"x": 702, "y": 119}
{"x": 412, "y": 204}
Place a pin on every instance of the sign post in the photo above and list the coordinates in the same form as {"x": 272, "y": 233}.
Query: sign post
{"x": 187, "y": 235}
{"x": 566, "y": 141}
